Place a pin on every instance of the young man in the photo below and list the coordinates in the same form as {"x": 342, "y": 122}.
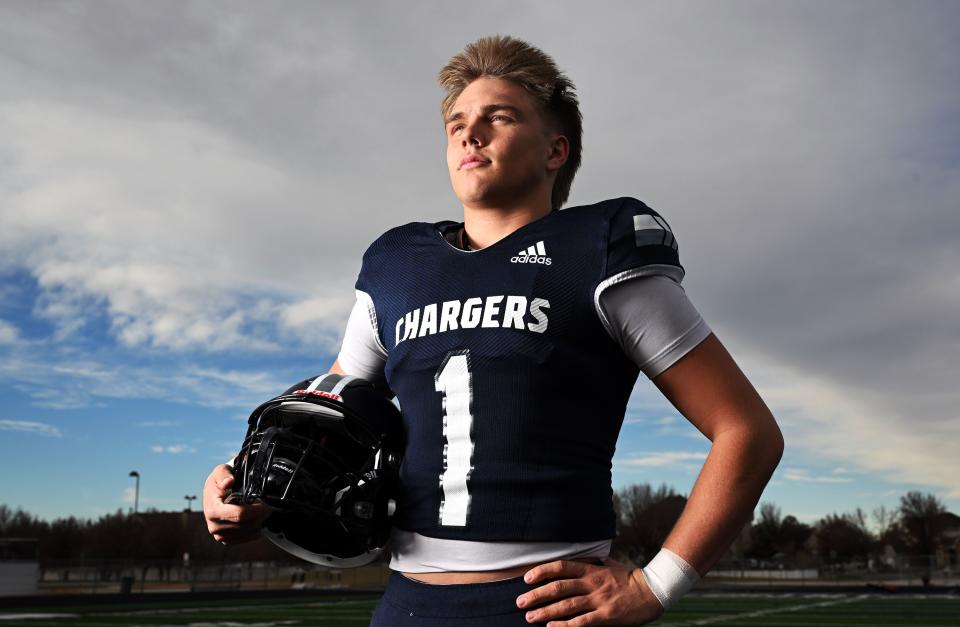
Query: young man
{"x": 512, "y": 341}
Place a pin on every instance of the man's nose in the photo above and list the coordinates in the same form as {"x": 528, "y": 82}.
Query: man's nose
{"x": 472, "y": 136}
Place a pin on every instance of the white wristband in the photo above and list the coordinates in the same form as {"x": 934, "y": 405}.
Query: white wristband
{"x": 669, "y": 577}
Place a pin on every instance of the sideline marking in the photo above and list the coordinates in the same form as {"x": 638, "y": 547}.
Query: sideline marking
{"x": 34, "y": 615}
{"x": 776, "y": 610}
{"x": 196, "y": 609}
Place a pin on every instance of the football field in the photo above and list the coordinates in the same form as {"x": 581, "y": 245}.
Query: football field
{"x": 775, "y": 610}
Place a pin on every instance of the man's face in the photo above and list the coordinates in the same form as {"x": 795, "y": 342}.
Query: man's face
{"x": 498, "y": 150}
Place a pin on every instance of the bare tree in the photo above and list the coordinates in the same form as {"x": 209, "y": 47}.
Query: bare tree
{"x": 793, "y": 538}
{"x": 765, "y": 534}
{"x": 645, "y": 517}
{"x": 842, "y": 538}
{"x": 770, "y": 515}
{"x": 921, "y": 518}
{"x": 885, "y": 519}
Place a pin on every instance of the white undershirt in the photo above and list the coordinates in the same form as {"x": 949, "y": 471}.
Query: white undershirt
{"x": 649, "y": 317}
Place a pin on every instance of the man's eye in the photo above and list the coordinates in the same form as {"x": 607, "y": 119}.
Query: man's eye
{"x": 454, "y": 129}
{"x": 500, "y": 117}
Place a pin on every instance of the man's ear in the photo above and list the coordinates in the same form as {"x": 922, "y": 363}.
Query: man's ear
{"x": 559, "y": 151}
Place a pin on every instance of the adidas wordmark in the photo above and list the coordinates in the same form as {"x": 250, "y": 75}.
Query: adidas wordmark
{"x": 533, "y": 254}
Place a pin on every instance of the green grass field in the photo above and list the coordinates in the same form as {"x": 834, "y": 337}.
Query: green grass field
{"x": 730, "y": 610}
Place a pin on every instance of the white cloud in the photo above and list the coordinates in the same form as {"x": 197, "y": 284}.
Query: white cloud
{"x": 9, "y": 334}
{"x": 318, "y": 321}
{"x": 660, "y": 421}
{"x": 26, "y": 426}
{"x": 173, "y": 449}
{"x": 84, "y": 381}
{"x": 179, "y": 246}
{"x": 159, "y": 423}
{"x": 802, "y": 475}
{"x": 661, "y": 459}
{"x": 856, "y": 427}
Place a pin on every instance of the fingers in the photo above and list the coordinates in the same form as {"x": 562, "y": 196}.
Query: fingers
{"x": 564, "y": 607}
{"x": 595, "y": 617}
{"x": 226, "y": 522}
{"x": 225, "y": 483}
{"x": 229, "y": 536}
{"x": 602, "y": 596}
{"x": 215, "y": 490}
{"x": 559, "y": 568}
{"x": 549, "y": 592}
{"x": 579, "y": 594}
{"x": 217, "y": 484}
{"x": 235, "y": 533}
{"x": 246, "y": 514}
{"x": 232, "y": 524}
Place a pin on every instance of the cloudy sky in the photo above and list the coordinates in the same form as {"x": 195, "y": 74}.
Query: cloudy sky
{"x": 186, "y": 190}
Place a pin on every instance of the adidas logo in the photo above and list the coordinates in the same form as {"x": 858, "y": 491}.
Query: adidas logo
{"x": 533, "y": 254}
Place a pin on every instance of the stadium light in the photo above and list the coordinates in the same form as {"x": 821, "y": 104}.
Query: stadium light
{"x": 189, "y": 500}
{"x": 136, "y": 490}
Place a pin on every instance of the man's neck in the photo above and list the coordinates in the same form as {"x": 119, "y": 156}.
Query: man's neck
{"x": 486, "y": 226}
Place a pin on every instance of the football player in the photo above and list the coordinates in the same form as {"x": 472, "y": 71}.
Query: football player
{"x": 512, "y": 341}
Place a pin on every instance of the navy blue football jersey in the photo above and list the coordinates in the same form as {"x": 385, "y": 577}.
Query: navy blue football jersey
{"x": 511, "y": 389}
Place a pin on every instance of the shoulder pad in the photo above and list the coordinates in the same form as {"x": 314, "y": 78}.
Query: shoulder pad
{"x": 639, "y": 242}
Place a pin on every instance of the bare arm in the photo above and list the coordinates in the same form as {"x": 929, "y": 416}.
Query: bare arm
{"x": 708, "y": 388}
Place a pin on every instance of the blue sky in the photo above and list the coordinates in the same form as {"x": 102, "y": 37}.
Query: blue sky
{"x": 185, "y": 194}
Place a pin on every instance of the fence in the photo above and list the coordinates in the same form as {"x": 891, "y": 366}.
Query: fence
{"x": 892, "y": 570}
{"x": 112, "y": 576}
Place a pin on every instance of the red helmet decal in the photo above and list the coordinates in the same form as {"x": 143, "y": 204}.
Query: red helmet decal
{"x": 330, "y": 395}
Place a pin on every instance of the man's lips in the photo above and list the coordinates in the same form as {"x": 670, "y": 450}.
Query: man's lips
{"x": 473, "y": 161}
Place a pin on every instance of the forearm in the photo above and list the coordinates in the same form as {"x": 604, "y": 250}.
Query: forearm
{"x": 724, "y": 495}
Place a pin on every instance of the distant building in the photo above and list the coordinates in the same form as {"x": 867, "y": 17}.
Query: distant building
{"x": 19, "y": 567}
{"x": 948, "y": 548}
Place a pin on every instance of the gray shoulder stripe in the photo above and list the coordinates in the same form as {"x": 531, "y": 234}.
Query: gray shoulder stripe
{"x": 663, "y": 223}
{"x": 330, "y": 377}
{"x": 648, "y": 237}
{"x": 671, "y": 240}
{"x": 342, "y": 383}
{"x": 645, "y": 221}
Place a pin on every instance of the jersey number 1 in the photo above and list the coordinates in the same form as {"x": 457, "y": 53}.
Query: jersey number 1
{"x": 453, "y": 380}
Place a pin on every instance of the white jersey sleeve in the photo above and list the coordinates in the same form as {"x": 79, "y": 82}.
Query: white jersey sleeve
{"x": 362, "y": 354}
{"x": 653, "y": 321}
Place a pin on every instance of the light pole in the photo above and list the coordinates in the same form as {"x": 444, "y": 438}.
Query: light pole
{"x": 189, "y": 500}
{"x": 136, "y": 490}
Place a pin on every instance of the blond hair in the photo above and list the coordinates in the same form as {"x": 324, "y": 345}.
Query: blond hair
{"x": 529, "y": 67}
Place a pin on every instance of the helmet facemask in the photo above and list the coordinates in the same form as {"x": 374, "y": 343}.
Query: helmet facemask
{"x": 328, "y": 472}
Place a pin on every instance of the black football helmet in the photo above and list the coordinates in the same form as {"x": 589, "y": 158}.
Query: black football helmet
{"x": 325, "y": 455}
